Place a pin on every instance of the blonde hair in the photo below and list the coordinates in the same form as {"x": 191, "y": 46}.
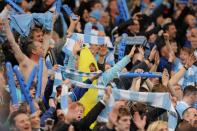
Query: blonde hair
{"x": 155, "y": 126}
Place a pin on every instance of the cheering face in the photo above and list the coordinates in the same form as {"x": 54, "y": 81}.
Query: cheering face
{"x": 39, "y": 50}
{"x": 32, "y": 92}
{"x": 192, "y": 37}
{"x": 92, "y": 67}
{"x": 123, "y": 124}
{"x": 190, "y": 115}
{"x": 113, "y": 6}
{"x": 25, "y": 5}
{"x": 86, "y": 15}
{"x": 172, "y": 31}
{"x": 135, "y": 27}
{"x": 35, "y": 121}
{"x": 22, "y": 122}
{"x": 179, "y": 91}
{"x": 60, "y": 115}
{"x": 38, "y": 36}
{"x": 105, "y": 19}
{"x": 16, "y": 81}
{"x": 184, "y": 56}
{"x": 191, "y": 21}
{"x": 94, "y": 49}
{"x": 174, "y": 47}
{"x": 79, "y": 111}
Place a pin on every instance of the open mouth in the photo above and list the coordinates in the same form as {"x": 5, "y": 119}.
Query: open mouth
{"x": 79, "y": 118}
{"x": 27, "y": 128}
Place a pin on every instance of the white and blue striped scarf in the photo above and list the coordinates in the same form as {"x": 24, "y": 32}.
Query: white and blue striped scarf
{"x": 59, "y": 77}
{"x": 91, "y": 39}
{"x": 160, "y": 100}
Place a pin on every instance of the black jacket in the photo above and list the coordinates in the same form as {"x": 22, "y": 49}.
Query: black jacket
{"x": 84, "y": 124}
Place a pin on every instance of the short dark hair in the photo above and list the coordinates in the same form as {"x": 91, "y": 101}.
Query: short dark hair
{"x": 27, "y": 48}
{"x": 188, "y": 50}
{"x": 160, "y": 88}
{"x": 123, "y": 111}
{"x": 13, "y": 116}
{"x": 93, "y": 3}
{"x": 35, "y": 29}
{"x": 184, "y": 126}
{"x": 189, "y": 90}
{"x": 166, "y": 26}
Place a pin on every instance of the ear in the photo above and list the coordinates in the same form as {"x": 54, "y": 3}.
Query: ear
{"x": 33, "y": 51}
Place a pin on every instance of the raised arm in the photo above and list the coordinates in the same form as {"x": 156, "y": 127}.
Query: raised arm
{"x": 110, "y": 74}
{"x": 14, "y": 46}
{"x": 174, "y": 79}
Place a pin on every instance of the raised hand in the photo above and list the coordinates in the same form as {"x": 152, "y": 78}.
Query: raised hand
{"x": 107, "y": 94}
{"x": 157, "y": 58}
{"x": 132, "y": 51}
{"x": 74, "y": 22}
{"x": 13, "y": 108}
{"x": 152, "y": 53}
{"x": 172, "y": 56}
{"x": 138, "y": 71}
{"x": 52, "y": 103}
{"x": 190, "y": 61}
{"x": 141, "y": 50}
{"x": 77, "y": 47}
{"x": 139, "y": 122}
{"x": 165, "y": 77}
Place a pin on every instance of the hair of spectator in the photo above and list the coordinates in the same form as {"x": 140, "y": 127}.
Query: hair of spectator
{"x": 185, "y": 126}
{"x": 13, "y": 116}
{"x": 189, "y": 90}
{"x": 155, "y": 126}
{"x": 123, "y": 111}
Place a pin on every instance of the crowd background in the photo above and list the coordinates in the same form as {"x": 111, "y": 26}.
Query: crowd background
{"x": 170, "y": 28}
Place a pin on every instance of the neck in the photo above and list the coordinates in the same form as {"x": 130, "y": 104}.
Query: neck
{"x": 109, "y": 125}
{"x": 68, "y": 119}
{"x": 35, "y": 58}
{"x": 187, "y": 100}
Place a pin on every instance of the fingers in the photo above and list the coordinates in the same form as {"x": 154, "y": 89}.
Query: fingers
{"x": 132, "y": 51}
{"x": 55, "y": 67}
{"x": 66, "y": 82}
{"x": 139, "y": 70}
{"x": 165, "y": 72}
{"x": 108, "y": 91}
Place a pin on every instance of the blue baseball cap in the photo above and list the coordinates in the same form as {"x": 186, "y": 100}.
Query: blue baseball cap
{"x": 96, "y": 14}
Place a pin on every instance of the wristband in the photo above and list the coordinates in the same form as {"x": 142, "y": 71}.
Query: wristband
{"x": 186, "y": 68}
{"x": 151, "y": 61}
{"x": 103, "y": 102}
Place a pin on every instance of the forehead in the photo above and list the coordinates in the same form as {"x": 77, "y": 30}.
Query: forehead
{"x": 37, "y": 43}
{"x": 184, "y": 52}
{"x": 20, "y": 117}
{"x": 125, "y": 117}
{"x": 194, "y": 30}
{"x": 190, "y": 17}
{"x": 38, "y": 32}
{"x": 192, "y": 110}
{"x": 172, "y": 26}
